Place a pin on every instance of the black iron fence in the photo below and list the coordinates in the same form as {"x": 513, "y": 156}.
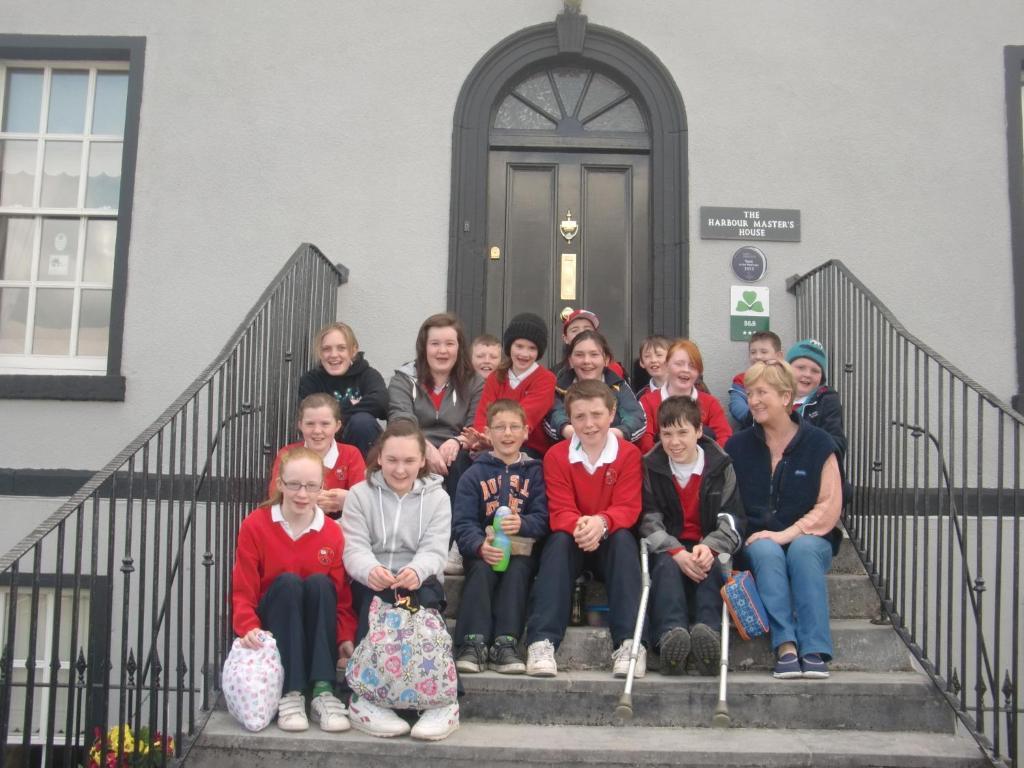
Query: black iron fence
{"x": 115, "y": 609}
{"x": 936, "y": 463}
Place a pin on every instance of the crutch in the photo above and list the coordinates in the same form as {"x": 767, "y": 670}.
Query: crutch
{"x": 721, "y": 718}
{"x": 624, "y": 711}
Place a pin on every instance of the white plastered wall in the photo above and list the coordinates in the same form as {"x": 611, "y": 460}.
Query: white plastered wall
{"x": 267, "y": 124}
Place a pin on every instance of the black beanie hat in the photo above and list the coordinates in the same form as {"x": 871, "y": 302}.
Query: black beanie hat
{"x": 526, "y": 326}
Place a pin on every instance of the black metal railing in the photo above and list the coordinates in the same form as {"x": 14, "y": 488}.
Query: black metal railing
{"x": 935, "y": 460}
{"x": 115, "y": 609}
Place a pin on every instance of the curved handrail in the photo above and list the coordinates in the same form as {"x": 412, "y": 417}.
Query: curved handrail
{"x": 108, "y": 470}
{"x": 793, "y": 282}
{"x": 930, "y": 580}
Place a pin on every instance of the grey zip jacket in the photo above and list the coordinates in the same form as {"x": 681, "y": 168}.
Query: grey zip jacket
{"x": 408, "y": 400}
{"x": 383, "y": 529}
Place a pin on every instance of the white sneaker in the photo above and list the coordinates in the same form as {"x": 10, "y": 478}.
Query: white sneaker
{"x": 291, "y": 712}
{"x": 327, "y": 710}
{"x": 620, "y": 660}
{"x": 374, "y": 720}
{"x": 454, "y": 564}
{"x": 436, "y": 724}
{"x": 540, "y": 659}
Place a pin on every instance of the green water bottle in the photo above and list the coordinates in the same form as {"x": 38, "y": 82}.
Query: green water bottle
{"x": 501, "y": 539}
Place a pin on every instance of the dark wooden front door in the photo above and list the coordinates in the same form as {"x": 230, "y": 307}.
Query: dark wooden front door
{"x": 604, "y": 268}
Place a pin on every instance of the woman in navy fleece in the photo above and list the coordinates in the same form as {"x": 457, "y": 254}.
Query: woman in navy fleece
{"x": 789, "y": 480}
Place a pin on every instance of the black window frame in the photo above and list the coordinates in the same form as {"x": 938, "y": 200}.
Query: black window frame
{"x": 1014, "y": 58}
{"x": 109, "y": 386}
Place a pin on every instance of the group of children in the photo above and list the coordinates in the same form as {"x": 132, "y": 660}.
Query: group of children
{"x": 578, "y": 465}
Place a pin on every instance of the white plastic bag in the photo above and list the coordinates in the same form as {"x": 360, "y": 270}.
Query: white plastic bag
{"x": 252, "y": 683}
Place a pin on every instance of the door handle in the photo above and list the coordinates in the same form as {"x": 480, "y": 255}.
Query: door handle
{"x": 564, "y": 314}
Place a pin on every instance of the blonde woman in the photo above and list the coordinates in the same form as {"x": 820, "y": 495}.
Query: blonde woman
{"x": 789, "y": 480}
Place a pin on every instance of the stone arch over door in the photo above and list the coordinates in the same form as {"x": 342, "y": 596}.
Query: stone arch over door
{"x": 570, "y": 41}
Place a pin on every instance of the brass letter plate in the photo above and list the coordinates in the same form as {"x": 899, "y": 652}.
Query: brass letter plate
{"x": 568, "y": 288}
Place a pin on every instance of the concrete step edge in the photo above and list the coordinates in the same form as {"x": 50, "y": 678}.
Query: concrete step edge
{"x": 225, "y": 744}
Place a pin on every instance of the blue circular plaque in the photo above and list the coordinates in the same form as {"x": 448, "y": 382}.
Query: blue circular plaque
{"x": 749, "y": 264}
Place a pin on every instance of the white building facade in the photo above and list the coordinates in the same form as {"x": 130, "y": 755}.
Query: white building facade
{"x": 161, "y": 161}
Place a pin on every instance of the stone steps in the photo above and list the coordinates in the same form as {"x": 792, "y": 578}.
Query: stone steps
{"x": 875, "y": 710}
{"x": 850, "y": 596}
{"x": 224, "y": 744}
{"x": 892, "y": 701}
{"x": 860, "y": 646}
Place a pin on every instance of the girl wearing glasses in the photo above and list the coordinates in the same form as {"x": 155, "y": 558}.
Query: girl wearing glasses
{"x": 319, "y": 421}
{"x": 289, "y": 582}
{"x": 397, "y": 523}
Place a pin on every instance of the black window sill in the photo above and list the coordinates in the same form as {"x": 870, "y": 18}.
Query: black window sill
{"x": 58, "y": 387}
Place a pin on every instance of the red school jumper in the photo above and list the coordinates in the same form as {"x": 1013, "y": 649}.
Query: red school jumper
{"x": 613, "y": 491}
{"x": 265, "y": 552}
{"x": 348, "y": 470}
{"x": 711, "y": 415}
{"x": 536, "y": 393}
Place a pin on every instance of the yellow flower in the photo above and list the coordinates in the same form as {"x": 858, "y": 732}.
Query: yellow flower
{"x": 115, "y": 735}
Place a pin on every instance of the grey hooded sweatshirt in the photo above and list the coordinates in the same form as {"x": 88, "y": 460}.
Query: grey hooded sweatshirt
{"x": 408, "y": 400}
{"x": 383, "y": 529}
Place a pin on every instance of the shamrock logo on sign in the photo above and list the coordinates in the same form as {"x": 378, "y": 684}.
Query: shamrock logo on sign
{"x": 749, "y": 303}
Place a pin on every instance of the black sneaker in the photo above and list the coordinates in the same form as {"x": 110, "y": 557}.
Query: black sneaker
{"x": 473, "y": 654}
{"x": 503, "y": 656}
{"x": 674, "y": 647}
{"x": 706, "y": 650}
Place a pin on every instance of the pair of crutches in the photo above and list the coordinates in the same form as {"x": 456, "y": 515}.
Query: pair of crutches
{"x": 624, "y": 710}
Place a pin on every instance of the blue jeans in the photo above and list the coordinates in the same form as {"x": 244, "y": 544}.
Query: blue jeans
{"x": 791, "y": 581}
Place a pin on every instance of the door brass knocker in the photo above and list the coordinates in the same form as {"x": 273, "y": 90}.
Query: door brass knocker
{"x": 569, "y": 228}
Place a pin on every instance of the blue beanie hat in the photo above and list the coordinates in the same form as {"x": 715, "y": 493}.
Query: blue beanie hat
{"x": 813, "y": 351}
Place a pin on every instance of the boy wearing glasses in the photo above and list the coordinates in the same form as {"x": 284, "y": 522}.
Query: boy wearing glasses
{"x": 493, "y": 607}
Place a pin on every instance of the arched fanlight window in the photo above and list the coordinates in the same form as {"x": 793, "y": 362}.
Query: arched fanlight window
{"x": 569, "y": 101}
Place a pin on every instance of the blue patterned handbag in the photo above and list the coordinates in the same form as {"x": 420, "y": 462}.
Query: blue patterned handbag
{"x": 744, "y": 603}
{"x": 405, "y": 661}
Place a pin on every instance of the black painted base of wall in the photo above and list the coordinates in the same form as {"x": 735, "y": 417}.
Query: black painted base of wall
{"x": 42, "y": 482}
{"x": 78, "y": 387}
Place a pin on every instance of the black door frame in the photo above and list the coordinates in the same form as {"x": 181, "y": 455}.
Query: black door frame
{"x": 570, "y": 40}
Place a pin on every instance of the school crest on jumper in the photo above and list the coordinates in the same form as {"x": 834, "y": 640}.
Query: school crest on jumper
{"x": 610, "y": 476}
{"x": 325, "y": 555}
{"x": 340, "y": 473}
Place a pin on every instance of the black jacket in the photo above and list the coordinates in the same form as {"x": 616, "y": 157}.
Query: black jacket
{"x": 360, "y": 390}
{"x": 722, "y": 520}
{"x": 824, "y": 409}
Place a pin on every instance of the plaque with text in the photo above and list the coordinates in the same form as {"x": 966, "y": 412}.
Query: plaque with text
{"x": 749, "y": 264}
{"x": 778, "y": 224}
